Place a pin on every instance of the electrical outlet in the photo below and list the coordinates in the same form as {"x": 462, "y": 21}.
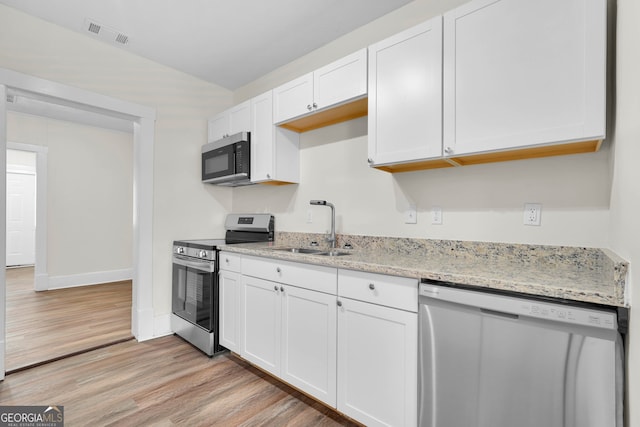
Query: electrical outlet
{"x": 532, "y": 213}
{"x": 436, "y": 215}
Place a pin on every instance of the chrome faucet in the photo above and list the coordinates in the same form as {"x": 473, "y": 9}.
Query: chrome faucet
{"x": 332, "y": 238}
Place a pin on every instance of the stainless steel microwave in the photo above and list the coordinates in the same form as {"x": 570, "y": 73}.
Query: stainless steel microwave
{"x": 228, "y": 160}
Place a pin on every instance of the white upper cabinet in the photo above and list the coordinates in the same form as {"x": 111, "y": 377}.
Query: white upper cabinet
{"x": 294, "y": 98}
{"x": 521, "y": 73}
{"x": 274, "y": 151}
{"x": 341, "y": 80}
{"x": 405, "y": 95}
{"x": 234, "y": 120}
{"x": 333, "y": 84}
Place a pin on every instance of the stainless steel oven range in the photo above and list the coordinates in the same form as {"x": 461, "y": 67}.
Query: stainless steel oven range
{"x": 195, "y": 289}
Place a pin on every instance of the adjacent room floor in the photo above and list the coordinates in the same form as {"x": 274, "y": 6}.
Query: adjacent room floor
{"x": 42, "y": 326}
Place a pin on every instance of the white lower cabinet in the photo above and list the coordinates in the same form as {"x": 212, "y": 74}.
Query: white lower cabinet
{"x": 261, "y": 323}
{"x": 290, "y": 331}
{"x": 347, "y": 338}
{"x": 378, "y": 348}
{"x": 308, "y": 351}
{"x": 229, "y": 297}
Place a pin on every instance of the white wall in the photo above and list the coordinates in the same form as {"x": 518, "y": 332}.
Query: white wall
{"x": 183, "y": 207}
{"x": 625, "y": 197}
{"x": 89, "y": 194}
{"x": 483, "y": 202}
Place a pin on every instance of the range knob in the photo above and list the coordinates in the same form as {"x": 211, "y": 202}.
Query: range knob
{"x": 179, "y": 250}
{"x": 202, "y": 254}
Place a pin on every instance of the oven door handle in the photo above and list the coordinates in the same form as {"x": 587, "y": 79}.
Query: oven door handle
{"x": 208, "y": 266}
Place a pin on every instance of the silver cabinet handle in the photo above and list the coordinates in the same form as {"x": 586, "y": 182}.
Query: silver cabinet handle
{"x": 226, "y": 260}
{"x": 309, "y": 107}
{"x": 370, "y": 161}
{"x": 315, "y": 105}
{"x": 448, "y": 150}
{"x": 339, "y": 303}
{"x": 372, "y": 286}
{"x": 278, "y": 270}
{"x": 275, "y": 288}
{"x": 268, "y": 176}
{"x": 281, "y": 288}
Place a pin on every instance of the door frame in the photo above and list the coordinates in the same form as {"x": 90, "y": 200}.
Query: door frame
{"x": 143, "y": 119}
{"x": 41, "y": 276}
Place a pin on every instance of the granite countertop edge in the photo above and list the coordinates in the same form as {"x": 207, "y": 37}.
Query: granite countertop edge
{"x": 580, "y": 274}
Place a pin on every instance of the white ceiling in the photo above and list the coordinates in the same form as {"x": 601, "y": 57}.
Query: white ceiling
{"x": 226, "y": 42}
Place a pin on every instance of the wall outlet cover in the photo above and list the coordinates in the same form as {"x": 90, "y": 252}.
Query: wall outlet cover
{"x": 532, "y": 213}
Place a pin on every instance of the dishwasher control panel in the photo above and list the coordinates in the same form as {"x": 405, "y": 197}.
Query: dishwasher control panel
{"x": 520, "y": 306}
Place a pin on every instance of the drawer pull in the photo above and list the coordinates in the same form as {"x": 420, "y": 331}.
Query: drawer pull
{"x": 372, "y": 286}
{"x": 275, "y": 288}
{"x": 339, "y": 303}
{"x": 281, "y": 288}
{"x": 278, "y": 270}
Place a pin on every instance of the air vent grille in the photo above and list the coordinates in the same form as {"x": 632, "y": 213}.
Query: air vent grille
{"x": 94, "y": 28}
{"x": 105, "y": 33}
{"x": 122, "y": 39}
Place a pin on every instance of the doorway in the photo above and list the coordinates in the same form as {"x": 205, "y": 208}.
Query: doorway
{"x": 45, "y": 326}
{"x": 143, "y": 119}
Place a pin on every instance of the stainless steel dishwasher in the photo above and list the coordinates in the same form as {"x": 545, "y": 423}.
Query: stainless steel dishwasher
{"x": 498, "y": 360}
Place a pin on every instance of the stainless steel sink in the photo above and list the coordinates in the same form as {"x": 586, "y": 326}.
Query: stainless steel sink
{"x": 334, "y": 253}
{"x": 310, "y": 251}
{"x": 299, "y": 250}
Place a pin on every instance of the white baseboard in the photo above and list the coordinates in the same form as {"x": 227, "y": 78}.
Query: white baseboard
{"x": 93, "y": 278}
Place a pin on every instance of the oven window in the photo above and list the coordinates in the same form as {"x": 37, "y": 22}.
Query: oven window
{"x": 193, "y": 295}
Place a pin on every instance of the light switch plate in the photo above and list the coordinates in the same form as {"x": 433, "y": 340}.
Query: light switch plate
{"x": 436, "y": 215}
{"x": 411, "y": 215}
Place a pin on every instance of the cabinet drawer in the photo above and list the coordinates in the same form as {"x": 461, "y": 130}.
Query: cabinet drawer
{"x": 230, "y": 262}
{"x": 308, "y": 276}
{"x": 390, "y": 291}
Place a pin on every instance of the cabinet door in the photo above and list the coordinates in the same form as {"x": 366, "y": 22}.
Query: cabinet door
{"x": 240, "y": 118}
{"x": 309, "y": 342}
{"x": 341, "y": 80}
{"x": 377, "y": 364}
{"x": 520, "y": 73}
{"x": 293, "y": 99}
{"x": 405, "y": 95}
{"x": 261, "y": 323}
{"x": 229, "y": 310}
{"x": 262, "y": 134}
{"x": 218, "y": 126}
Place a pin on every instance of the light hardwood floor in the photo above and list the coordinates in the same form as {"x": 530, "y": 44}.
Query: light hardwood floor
{"x": 163, "y": 382}
{"x": 47, "y": 325}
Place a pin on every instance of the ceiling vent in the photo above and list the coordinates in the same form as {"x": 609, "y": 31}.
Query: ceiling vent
{"x": 105, "y": 33}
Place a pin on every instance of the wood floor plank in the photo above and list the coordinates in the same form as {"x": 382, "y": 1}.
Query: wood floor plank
{"x": 50, "y": 324}
{"x": 163, "y": 382}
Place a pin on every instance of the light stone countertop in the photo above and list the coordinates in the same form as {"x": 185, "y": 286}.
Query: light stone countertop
{"x": 572, "y": 273}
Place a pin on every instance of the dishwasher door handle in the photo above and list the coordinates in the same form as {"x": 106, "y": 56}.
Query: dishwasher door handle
{"x": 500, "y": 314}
